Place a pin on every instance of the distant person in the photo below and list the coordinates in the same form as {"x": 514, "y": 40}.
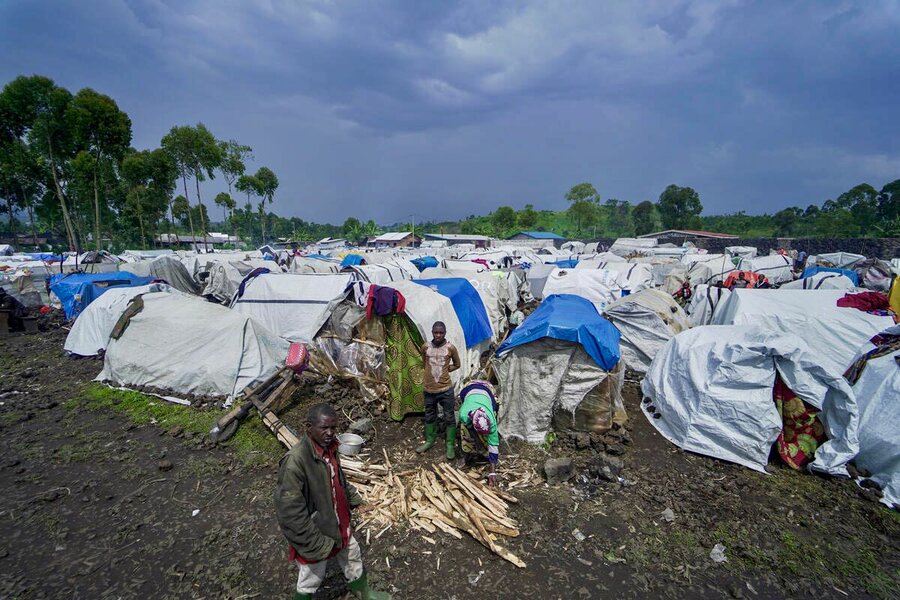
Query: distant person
{"x": 313, "y": 501}
{"x": 683, "y": 294}
{"x": 440, "y": 358}
{"x": 516, "y": 318}
{"x": 800, "y": 263}
{"x": 741, "y": 281}
{"x": 478, "y": 419}
{"x": 763, "y": 283}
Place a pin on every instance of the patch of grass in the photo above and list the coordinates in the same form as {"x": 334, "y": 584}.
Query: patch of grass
{"x": 863, "y": 566}
{"x": 204, "y": 467}
{"x": 10, "y": 418}
{"x": 86, "y": 448}
{"x": 254, "y": 443}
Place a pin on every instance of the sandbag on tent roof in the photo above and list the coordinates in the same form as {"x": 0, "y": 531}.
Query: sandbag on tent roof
{"x": 467, "y": 304}
{"x": 704, "y": 301}
{"x": 292, "y": 305}
{"x": 635, "y": 276}
{"x": 646, "y": 321}
{"x": 91, "y": 329}
{"x": 876, "y": 384}
{"x": 712, "y": 389}
{"x": 190, "y": 346}
{"x": 599, "y": 286}
{"x": 821, "y": 281}
{"x": 811, "y": 315}
{"x": 776, "y": 267}
{"x": 562, "y": 361}
{"x": 77, "y": 290}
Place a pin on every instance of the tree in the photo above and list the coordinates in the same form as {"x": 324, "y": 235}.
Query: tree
{"x": 267, "y": 183}
{"x": 503, "y": 218}
{"x": 103, "y": 131}
{"x": 862, "y": 202}
{"x": 197, "y": 154}
{"x": 888, "y": 203}
{"x": 679, "y": 207}
{"x": 619, "y": 212}
{"x": 250, "y": 186}
{"x": 583, "y": 192}
{"x": 583, "y": 210}
{"x": 181, "y": 209}
{"x": 227, "y": 203}
{"x": 233, "y": 160}
{"x": 644, "y": 217}
{"x": 527, "y": 217}
{"x": 786, "y": 221}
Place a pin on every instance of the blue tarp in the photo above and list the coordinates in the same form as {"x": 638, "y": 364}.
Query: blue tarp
{"x": 425, "y": 262}
{"x": 852, "y": 275}
{"x": 46, "y": 256}
{"x": 321, "y": 257}
{"x": 77, "y": 290}
{"x": 466, "y": 303}
{"x": 351, "y": 260}
{"x": 568, "y": 263}
{"x": 571, "y": 319}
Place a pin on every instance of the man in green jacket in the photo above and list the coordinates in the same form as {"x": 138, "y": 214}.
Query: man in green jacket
{"x": 313, "y": 502}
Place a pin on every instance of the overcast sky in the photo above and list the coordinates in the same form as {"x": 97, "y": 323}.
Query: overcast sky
{"x": 382, "y": 109}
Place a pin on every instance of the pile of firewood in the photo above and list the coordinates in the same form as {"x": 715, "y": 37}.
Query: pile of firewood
{"x": 440, "y": 498}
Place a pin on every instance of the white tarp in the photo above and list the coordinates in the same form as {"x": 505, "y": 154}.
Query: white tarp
{"x": 537, "y": 278}
{"x": 190, "y": 346}
{"x": 703, "y": 303}
{"x": 385, "y": 273}
{"x": 490, "y": 289}
{"x": 635, "y": 276}
{"x": 811, "y": 315}
{"x": 878, "y": 395}
{"x": 292, "y": 305}
{"x": 601, "y": 287}
{"x": 545, "y": 376}
{"x": 821, "y": 281}
{"x": 646, "y": 321}
{"x": 776, "y": 267}
{"x": 300, "y": 264}
{"x": 840, "y": 260}
{"x": 91, "y": 329}
{"x": 742, "y": 251}
{"x": 712, "y": 387}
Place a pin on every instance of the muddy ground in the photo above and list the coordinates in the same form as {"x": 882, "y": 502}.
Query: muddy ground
{"x": 108, "y": 494}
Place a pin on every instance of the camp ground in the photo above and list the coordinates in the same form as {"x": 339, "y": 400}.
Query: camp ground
{"x": 624, "y": 401}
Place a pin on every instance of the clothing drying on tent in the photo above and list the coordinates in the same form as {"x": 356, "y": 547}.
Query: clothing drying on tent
{"x": 77, "y": 290}
{"x": 560, "y": 369}
{"x": 468, "y": 306}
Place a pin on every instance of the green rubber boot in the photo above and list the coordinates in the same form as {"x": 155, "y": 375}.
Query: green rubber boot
{"x": 451, "y": 443}
{"x": 430, "y": 437}
{"x": 361, "y": 588}
{"x": 299, "y": 596}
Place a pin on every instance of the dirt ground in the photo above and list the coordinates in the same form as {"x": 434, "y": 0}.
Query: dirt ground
{"x": 108, "y": 494}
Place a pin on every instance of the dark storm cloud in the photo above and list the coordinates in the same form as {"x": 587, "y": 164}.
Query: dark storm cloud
{"x": 381, "y": 110}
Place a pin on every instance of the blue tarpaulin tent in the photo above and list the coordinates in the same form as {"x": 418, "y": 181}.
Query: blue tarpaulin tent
{"x": 351, "y": 260}
{"x": 77, "y": 290}
{"x": 425, "y": 262}
{"x": 851, "y": 275}
{"x": 568, "y": 263}
{"x": 572, "y": 319}
{"x": 466, "y": 303}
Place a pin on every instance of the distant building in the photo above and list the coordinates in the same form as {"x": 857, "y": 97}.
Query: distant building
{"x": 396, "y": 239}
{"x": 537, "y": 239}
{"x": 329, "y": 243}
{"x": 452, "y": 239}
{"x": 688, "y": 234}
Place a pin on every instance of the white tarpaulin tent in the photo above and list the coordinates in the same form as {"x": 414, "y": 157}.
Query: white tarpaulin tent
{"x": 292, "y": 305}
{"x": 187, "y": 345}
{"x": 703, "y": 303}
{"x": 878, "y": 395}
{"x": 489, "y": 290}
{"x": 840, "y": 260}
{"x": 646, "y": 321}
{"x": 91, "y": 329}
{"x": 537, "y": 278}
{"x": 712, "y": 389}
{"x": 601, "y": 287}
{"x": 810, "y": 315}
{"x": 385, "y": 273}
{"x": 635, "y": 276}
{"x": 776, "y": 267}
{"x": 821, "y": 281}
{"x": 300, "y": 264}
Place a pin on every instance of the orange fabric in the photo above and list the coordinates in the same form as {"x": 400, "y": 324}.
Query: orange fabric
{"x": 750, "y": 276}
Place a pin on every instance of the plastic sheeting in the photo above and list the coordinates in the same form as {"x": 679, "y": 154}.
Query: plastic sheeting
{"x": 601, "y": 287}
{"x": 352, "y": 260}
{"x": 91, "y": 329}
{"x": 821, "y": 281}
{"x": 635, "y": 276}
{"x": 776, "y": 267}
{"x": 469, "y": 307}
{"x": 571, "y": 319}
{"x": 293, "y": 306}
{"x": 853, "y": 276}
{"x": 494, "y": 292}
{"x": 646, "y": 321}
{"x": 703, "y": 303}
{"x": 190, "y": 346}
{"x": 712, "y": 387}
{"x": 547, "y": 376}
{"x": 811, "y": 315}
{"x": 877, "y": 393}
{"x": 77, "y": 290}
{"x": 385, "y": 273}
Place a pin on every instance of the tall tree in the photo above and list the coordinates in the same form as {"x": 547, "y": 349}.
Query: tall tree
{"x": 679, "y": 207}
{"x": 644, "y": 217}
{"x": 585, "y": 199}
{"x": 527, "y": 217}
{"x": 101, "y": 130}
{"x": 178, "y": 143}
{"x": 250, "y": 186}
{"x": 227, "y": 203}
{"x": 234, "y": 158}
{"x": 267, "y": 183}
{"x": 503, "y": 218}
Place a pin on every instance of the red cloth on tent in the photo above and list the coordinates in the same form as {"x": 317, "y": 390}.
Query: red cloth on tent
{"x": 865, "y": 301}
{"x": 750, "y": 276}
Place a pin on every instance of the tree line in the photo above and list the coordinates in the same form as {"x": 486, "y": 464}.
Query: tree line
{"x": 67, "y": 167}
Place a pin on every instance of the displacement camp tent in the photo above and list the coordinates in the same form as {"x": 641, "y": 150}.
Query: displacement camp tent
{"x": 91, "y": 329}
{"x": 187, "y": 345}
{"x": 634, "y": 276}
{"x": 710, "y": 391}
{"x": 599, "y": 286}
{"x": 467, "y": 305}
{"x": 821, "y": 281}
{"x": 646, "y": 321}
{"x": 704, "y": 301}
{"x": 560, "y": 367}
{"x": 777, "y": 268}
{"x": 293, "y": 306}
{"x": 77, "y": 290}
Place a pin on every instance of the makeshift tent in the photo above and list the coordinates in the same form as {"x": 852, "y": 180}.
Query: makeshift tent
{"x": 187, "y": 345}
{"x": 876, "y": 385}
{"x": 599, "y": 286}
{"x": 310, "y": 264}
{"x": 466, "y": 265}
{"x": 384, "y": 273}
{"x": 710, "y": 391}
{"x": 425, "y": 262}
{"x": 635, "y": 276}
{"x": 562, "y": 361}
{"x": 840, "y": 260}
{"x": 467, "y": 304}
{"x": 537, "y": 276}
{"x": 822, "y": 280}
{"x": 850, "y": 274}
{"x": 352, "y": 260}
{"x": 776, "y": 267}
{"x": 704, "y": 300}
{"x": 77, "y": 290}
{"x": 646, "y": 321}
{"x": 292, "y": 305}
{"x": 741, "y": 251}
{"x": 810, "y": 315}
{"x": 493, "y": 291}
{"x": 91, "y": 329}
